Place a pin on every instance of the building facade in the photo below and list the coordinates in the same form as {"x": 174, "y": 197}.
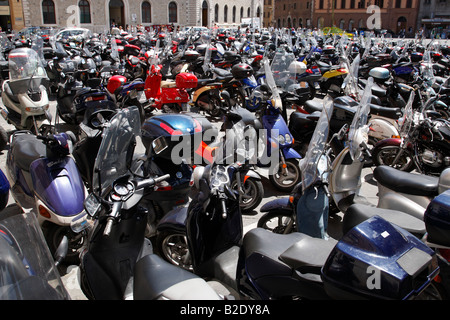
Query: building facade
{"x": 11, "y": 15}
{"x": 99, "y": 15}
{"x": 395, "y": 15}
{"x": 434, "y": 16}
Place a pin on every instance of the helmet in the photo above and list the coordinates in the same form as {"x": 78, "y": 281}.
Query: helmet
{"x": 259, "y": 95}
{"x": 241, "y": 71}
{"x": 297, "y": 67}
{"x": 381, "y": 74}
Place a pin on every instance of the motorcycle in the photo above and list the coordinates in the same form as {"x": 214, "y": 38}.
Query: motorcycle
{"x": 422, "y": 143}
{"x": 24, "y": 94}
{"x": 42, "y": 174}
{"x": 119, "y": 262}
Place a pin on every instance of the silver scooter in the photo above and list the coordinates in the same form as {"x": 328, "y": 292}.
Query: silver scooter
{"x": 24, "y": 94}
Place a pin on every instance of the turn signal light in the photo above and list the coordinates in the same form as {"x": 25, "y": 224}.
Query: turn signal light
{"x": 44, "y": 212}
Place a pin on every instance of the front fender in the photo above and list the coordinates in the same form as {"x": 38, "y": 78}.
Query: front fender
{"x": 174, "y": 219}
{"x": 290, "y": 153}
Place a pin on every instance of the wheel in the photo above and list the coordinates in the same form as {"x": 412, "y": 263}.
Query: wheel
{"x": 53, "y": 234}
{"x": 252, "y": 194}
{"x": 214, "y": 105}
{"x": 173, "y": 247}
{"x": 278, "y": 222}
{"x": 285, "y": 179}
{"x": 3, "y": 138}
{"x": 386, "y": 155}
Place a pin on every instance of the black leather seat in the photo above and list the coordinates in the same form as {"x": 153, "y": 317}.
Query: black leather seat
{"x": 406, "y": 182}
{"x": 312, "y": 105}
{"x": 155, "y": 278}
{"x": 388, "y": 112}
{"x": 358, "y": 213}
{"x": 26, "y": 148}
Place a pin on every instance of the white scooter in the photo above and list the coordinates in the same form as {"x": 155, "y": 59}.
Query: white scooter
{"x": 24, "y": 94}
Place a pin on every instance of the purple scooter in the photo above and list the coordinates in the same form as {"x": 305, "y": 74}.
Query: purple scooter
{"x": 45, "y": 178}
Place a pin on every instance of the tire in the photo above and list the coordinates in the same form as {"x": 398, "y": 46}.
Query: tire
{"x": 3, "y": 138}
{"x": 173, "y": 247}
{"x": 286, "y": 183}
{"x": 53, "y": 234}
{"x": 386, "y": 154}
{"x": 252, "y": 195}
{"x": 278, "y": 222}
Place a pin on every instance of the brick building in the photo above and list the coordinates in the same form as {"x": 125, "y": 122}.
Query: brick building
{"x": 98, "y": 15}
{"x": 396, "y": 15}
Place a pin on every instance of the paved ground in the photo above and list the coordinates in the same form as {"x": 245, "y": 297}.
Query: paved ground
{"x": 70, "y": 279}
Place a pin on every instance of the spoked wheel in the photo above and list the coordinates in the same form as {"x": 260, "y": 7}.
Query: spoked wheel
{"x": 278, "y": 222}
{"x": 386, "y": 155}
{"x": 252, "y": 194}
{"x": 173, "y": 247}
{"x": 285, "y": 179}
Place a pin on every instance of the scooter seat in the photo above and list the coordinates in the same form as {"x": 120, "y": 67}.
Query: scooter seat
{"x": 309, "y": 254}
{"x": 156, "y": 279}
{"x": 312, "y": 105}
{"x": 168, "y": 84}
{"x": 26, "y": 148}
{"x": 358, "y": 213}
{"x": 406, "y": 182}
{"x": 388, "y": 112}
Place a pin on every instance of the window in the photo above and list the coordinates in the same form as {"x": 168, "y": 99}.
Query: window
{"x": 146, "y": 12}
{"x": 321, "y": 4}
{"x": 48, "y": 12}
{"x": 379, "y": 3}
{"x": 216, "y": 13}
{"x": 362, "y": 4}
{"x": 352, "y": 4}
{"x": 234, "y": 14}
{"x": 85, "y": 11}
{"x": 242, "y": 12}
{"x": 225, "y": 14}
{"x": 409, "y": 3}
{"x": 398, "y": 3}
{"x": 248, "y": 12}
{"x": 173, "y": 12}
{"x": 342, "y": 4}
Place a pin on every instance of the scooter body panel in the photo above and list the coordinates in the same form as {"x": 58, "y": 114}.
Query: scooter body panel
{"x": 413, "y": 204}
{"x": 382, "y": 128}
{"x": 58, "y": 184}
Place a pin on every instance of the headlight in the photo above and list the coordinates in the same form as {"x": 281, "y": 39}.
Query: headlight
{"x": 281, "y": 139}
{"x": 288, "y": 138}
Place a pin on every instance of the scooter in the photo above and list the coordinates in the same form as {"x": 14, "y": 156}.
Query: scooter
{"x": 276, "y": 151}
{"x": 42, "y": 175}
{"x": 24, "y": 94}
{"x": 28, "y": 270}
{"x": 168, "y": 95}
{"x": 264, "y": 265}
{"x": 119, "y": 262}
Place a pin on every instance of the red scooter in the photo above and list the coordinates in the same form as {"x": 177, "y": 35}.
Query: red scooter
{"x": 169, "y": 95}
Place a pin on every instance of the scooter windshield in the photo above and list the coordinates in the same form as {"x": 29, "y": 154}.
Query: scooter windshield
{"x": 359, "y": 129}
{"x": 116, "y": 150}
{"x": 310, "y": 164}
{"x": 27, "y": 267}
{"x": 24, "y": 63}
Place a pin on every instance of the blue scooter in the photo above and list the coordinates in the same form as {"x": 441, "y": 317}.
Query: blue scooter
{"x": 45, "y": 178}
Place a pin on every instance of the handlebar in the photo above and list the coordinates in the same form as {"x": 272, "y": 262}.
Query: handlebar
{"x": 117, "y": 205}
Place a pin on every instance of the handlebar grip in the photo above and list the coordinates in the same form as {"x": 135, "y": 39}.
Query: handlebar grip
{"x": 224, "y": 208}
{"x": 108, "y": 226}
